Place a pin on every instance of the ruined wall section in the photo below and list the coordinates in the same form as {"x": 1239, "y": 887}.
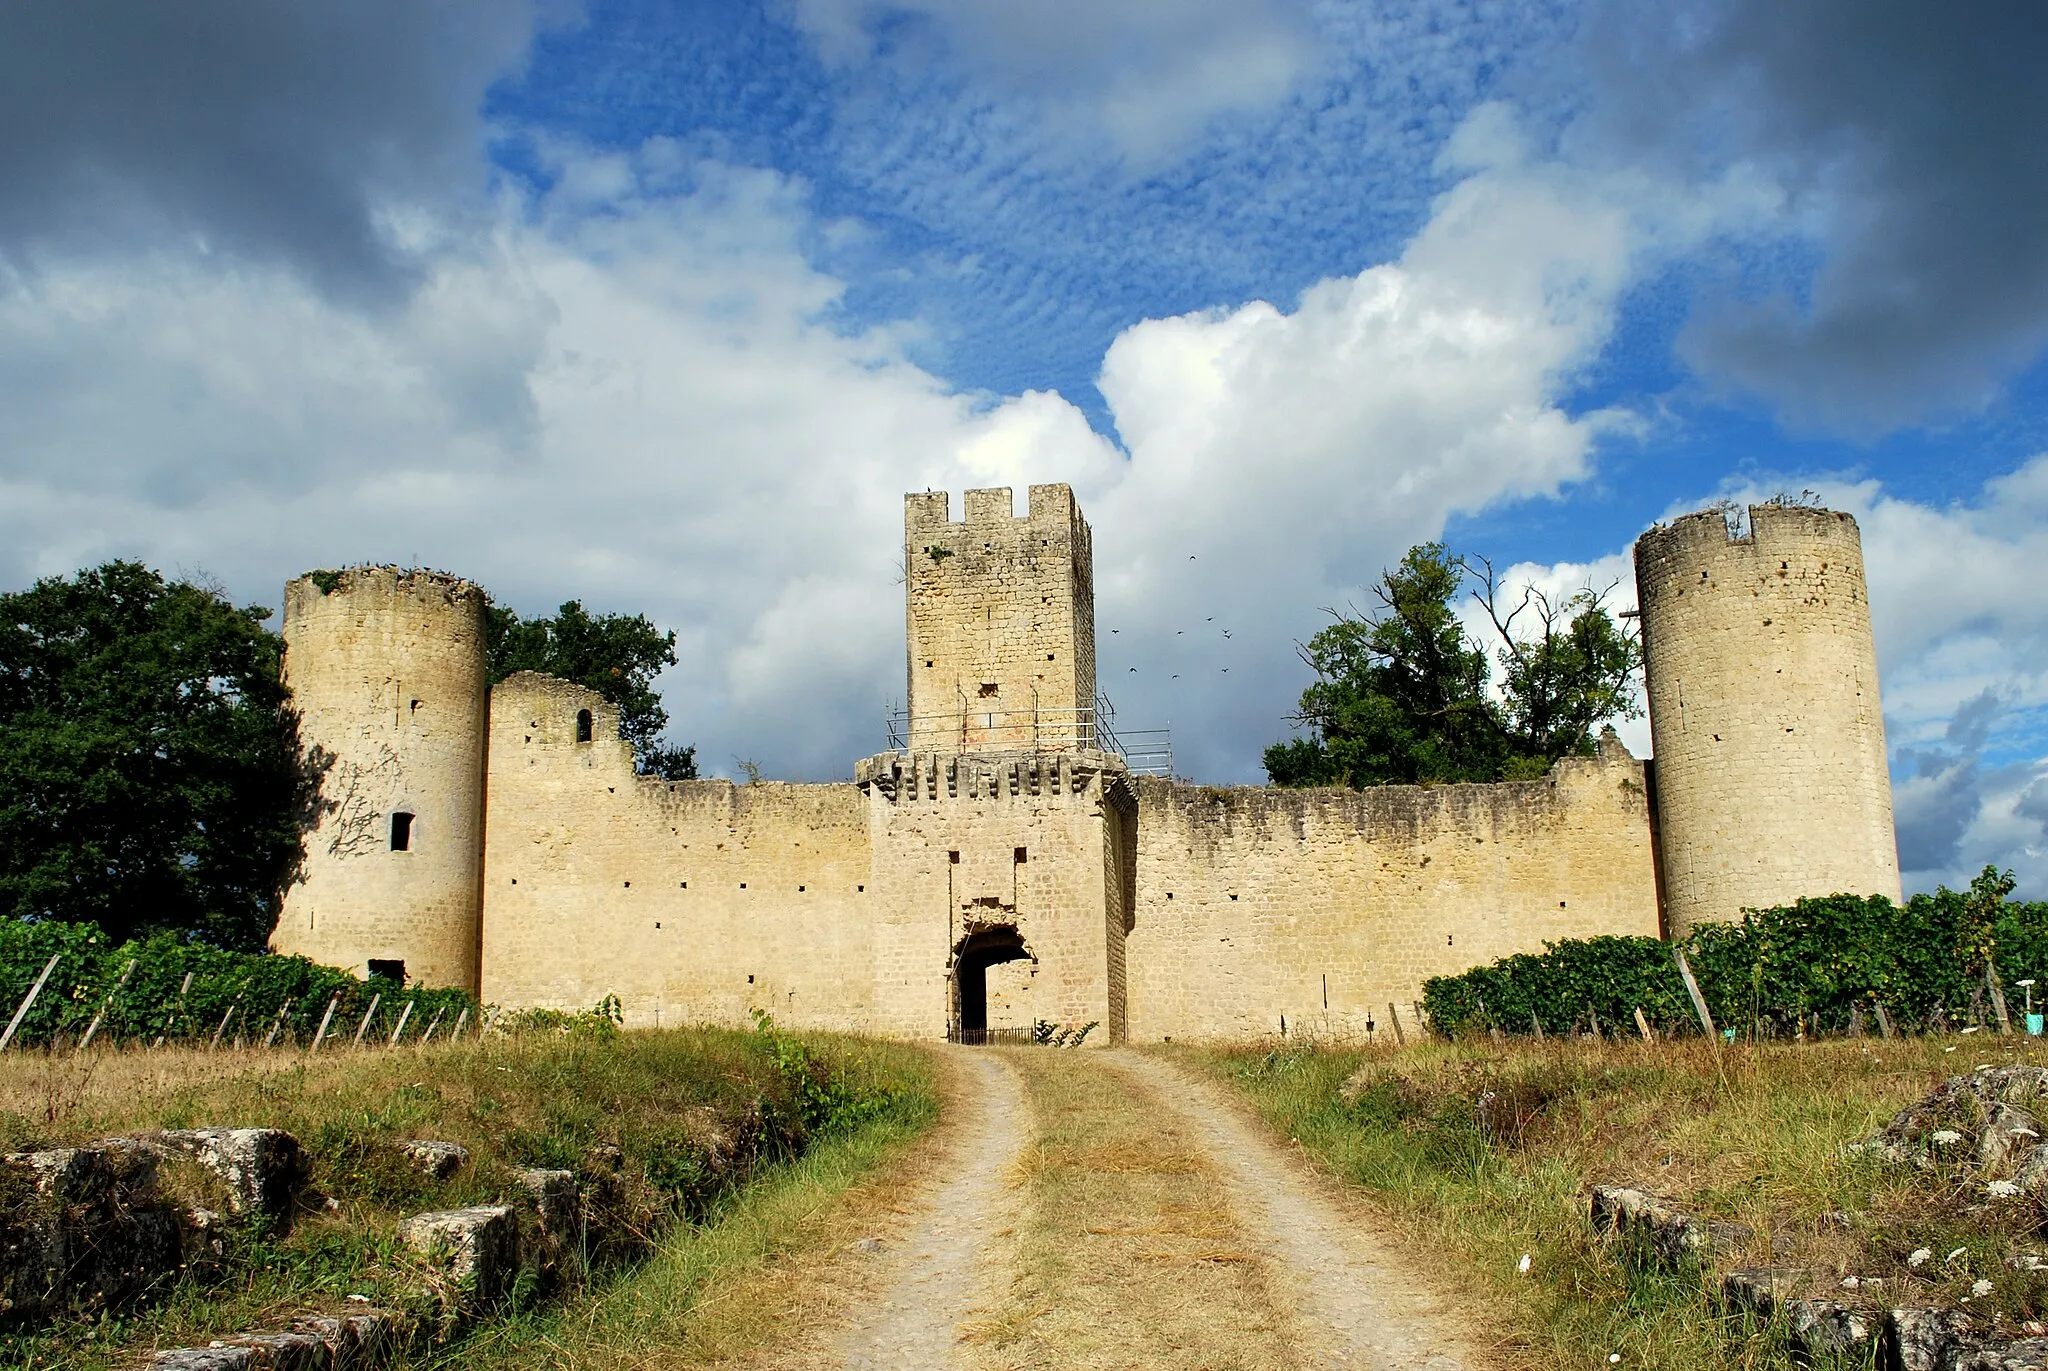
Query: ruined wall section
{"x": 975, "y": 843}
{"x": 1001, "y": 643}
{"x": 692, "y": 901}
{"x": 1254, "y": 904}
{"x": 386, "y": 668}
{"x": 1764, "y": 713}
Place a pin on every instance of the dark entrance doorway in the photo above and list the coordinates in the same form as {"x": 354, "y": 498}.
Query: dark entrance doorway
{"x": 975, "y": 954}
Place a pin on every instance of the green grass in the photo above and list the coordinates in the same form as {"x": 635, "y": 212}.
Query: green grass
{"x": 698, "y": 1114}
{"x": 1752, "y": 1135}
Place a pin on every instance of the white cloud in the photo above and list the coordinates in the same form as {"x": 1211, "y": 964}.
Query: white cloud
{"x": 1144, "y": 77}
{"x": 631, "y": 394}
{"x": 1961, "y": 624}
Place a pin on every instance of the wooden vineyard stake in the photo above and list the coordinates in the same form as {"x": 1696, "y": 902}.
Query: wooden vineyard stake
{"x": 432, "y": 1024}
{"x": 1884, "y": 1020}
{"x": 28, "y": 1000}
{"x": 1536, "y": 1025}
{"x": 363, "y": 1027}
{"x": 93, "y": 1028}
{"x": 399, "y": 1031}
{"x": 1643, "y": 1026}
{"x": 325, "y": 1019}
{"x": 460, "y": 1020}
{"x": 1394, "y": 1018}
{"x": 1692, "y": 990}
{"x": 224, "y": 1024}
{"x": 171, "y": 1019}
{"x": 277, "y": 1022}
{"x": 1997, "y": 999}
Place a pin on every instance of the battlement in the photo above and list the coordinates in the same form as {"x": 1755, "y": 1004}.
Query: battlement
{"x": 1711, "y": 535}
{"x": 326, "y": 590}
{"x": 933, "y": 776}
{"x": 1049, "y": 506}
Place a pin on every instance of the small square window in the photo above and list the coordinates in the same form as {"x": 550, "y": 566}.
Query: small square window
{"x": 401, "y": 832}
{"x": 1018, "y": 856}
{"x": 391, "y": 968}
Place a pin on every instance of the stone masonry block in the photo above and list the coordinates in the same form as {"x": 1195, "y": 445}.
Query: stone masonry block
{"x": 437, "y": 1161}
{"x": 204, "y": 1359}
{"x": 474, "y": 1253}
{"x": 551, "y": 1221}
{"x": 263, "y": 1168}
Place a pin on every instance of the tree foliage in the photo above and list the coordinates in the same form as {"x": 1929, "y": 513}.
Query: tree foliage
{"x": 616, "y": 655}
{"x": 148, "y": 772}
{"x": 1403, "y": 695}
{"x": 1773, "y": 969}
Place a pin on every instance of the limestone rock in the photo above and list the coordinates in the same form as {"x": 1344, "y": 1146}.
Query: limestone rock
{"x": 1758, "y": 1289}
{"x": 2027, "y": 1354}
{"x": 82, "y": 1226}
{"x": 355, "y": 1341}
{"x": 1824, "y": 1326}
{"x": 437, "y": 1161}
{"x": 2009, "y": 1132}
{"x": 263, "y": 1168}
{"x": 1922, "y": 1339}
{"x": 551, "y": 1227}
{"x": 281, "y": 1351}
{"x": 1673, "y": 1235}
{"x": 473, "y": 1254}
{"x": 204, "y": 1359}
{"x": 1990, "y": 1110}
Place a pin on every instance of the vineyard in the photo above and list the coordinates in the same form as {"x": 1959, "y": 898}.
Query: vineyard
{"x": 168, "y": 989}
{"x": 1837, "y": 964}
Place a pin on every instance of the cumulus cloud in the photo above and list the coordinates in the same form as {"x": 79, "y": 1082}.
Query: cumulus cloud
{"x": 1962, "y": 643}
{"x": 1906, "y": 140}
{"x": 301, "y": 134}
{"x": 1144, "y": 76}
{"x": 629, "y": 391}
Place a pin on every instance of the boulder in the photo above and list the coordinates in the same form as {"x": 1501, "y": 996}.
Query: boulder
{"x": 1989, "y": 1111}
{"x": 437, "y": 1161}
{"x": 1758, "y": 1289}
{"x": 263, "y": 1168}
{"x": 2009, "y": 1133}
{"x": 82, "y": 1226}
{"x": 551, "y": 1222}
{"x": 2027, "y": 1354}
{"x": 472, "y": 1255}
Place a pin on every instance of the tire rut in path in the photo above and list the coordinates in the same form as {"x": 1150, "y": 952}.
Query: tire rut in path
{"x": 1351, "y": 1302}
{"x": 937, "y": 1278}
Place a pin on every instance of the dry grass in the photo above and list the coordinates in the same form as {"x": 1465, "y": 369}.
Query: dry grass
{"x": 1750, "y": 1134}
{"x": 1128, "y": 1254}
{"x": 528, "y": 1100}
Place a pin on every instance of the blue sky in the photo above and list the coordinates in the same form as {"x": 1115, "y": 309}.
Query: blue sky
{"x": 665, "y": 305}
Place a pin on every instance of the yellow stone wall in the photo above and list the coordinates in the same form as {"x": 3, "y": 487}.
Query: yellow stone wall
{"x": 1001, "y": 623}
{"x": 1764, "y": 714}
{"x": 692, "y": 901}
{"x": 1254, "y": 904}
{"x": 948, "y": 831}
{"x": 387, "y": 673}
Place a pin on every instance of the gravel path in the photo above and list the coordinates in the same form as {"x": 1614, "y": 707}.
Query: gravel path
{"x": 934, "y": 1283}
{"x": 1353, "y": 1302}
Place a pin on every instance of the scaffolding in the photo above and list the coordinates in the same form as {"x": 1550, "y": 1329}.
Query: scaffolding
{"x": 1146, "y": 751}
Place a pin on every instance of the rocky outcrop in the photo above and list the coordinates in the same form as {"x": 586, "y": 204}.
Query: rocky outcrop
{"x": 437, "y": 1161}
{"x": 352, "y": 1342}
{"x": 470, "y": 1256}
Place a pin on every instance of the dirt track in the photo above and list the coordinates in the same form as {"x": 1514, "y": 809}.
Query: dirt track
{"x": 1107, "y": 1209}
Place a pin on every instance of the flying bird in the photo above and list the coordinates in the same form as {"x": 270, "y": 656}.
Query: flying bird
{"x": 1134, "y": 668}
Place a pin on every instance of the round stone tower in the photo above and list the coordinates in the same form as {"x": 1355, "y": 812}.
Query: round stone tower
{"x": 1769, "y": 744}
{"x": 387, "y": 671}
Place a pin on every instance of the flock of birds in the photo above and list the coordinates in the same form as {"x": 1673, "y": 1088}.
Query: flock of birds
{"x": 1180, "y": 633}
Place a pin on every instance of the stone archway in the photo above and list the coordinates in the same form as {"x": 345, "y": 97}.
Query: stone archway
{"x": 982, "y": 948}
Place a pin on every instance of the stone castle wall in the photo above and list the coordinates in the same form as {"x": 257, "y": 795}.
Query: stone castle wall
{"x": 386, "y": 669}
{"x": 1324, "y": 906}
{"x": 692, "y": 901}
{"x": 1764, "y": 713}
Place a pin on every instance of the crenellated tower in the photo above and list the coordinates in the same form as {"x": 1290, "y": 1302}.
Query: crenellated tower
{"x": 387, "y": 671}
{"x": 1001, "y": 641}
{"x": 1761, "y": 670}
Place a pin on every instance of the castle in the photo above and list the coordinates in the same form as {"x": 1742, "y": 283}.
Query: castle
{"x": 1005, "y": 866}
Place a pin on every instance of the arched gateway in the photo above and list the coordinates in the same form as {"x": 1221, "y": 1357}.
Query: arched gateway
{"x": 988, "y": 1008}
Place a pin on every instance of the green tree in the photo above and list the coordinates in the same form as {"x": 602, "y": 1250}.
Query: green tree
{"x": 1401, "y": 695}
{"x": 148, "y": 772}
{"x": 616, "y": 655}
